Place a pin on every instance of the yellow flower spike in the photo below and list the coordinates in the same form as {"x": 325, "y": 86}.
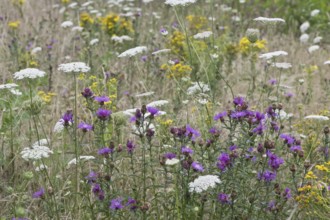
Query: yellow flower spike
{"x": 81, "y": 76}
{"x": 14, "y": 24}
{"x": 322, "y": 168}
{"x": 310, "y": 175}
{"x": 85, "y": 19}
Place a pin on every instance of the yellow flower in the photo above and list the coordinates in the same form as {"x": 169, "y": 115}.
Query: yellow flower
{"x": 260, "y": 44}
{"x": 310, "y": 175}
{"x": 33, "y": 63}
{"x": 85, "y": 19}
{"x": 65, "y": 1}
{"x": 176, "y": 43}
{"x": 14, "y": 24}
{"x": 81, "y": 76}
{"x": 116, "y": 25}
{"x": 322, "y": 168}
{"x": 244, "y": 45}
{"x": 196, "y": 22}
{"x": 178, "y": 70}
{"x": 46, "y": 97}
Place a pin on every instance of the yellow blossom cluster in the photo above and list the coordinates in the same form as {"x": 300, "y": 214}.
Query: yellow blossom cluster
{"x": 113, "y": 24}
{"x": 14, "y": 24}
{"x": 46, "y": 96}
{"x": 177, "y": 70}
{"x": 196, "y": 23}
{"x": 246, "y": 47}
{"x": 86, "y": 19}
{"x": 176, "y": 43}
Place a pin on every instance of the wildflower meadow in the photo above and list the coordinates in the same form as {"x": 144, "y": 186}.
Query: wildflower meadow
{"x": 165, "y": 109}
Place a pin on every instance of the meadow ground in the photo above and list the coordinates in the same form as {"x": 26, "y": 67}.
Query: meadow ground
{"x": 164, "y": 109}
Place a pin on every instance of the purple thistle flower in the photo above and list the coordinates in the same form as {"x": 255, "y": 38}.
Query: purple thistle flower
{"x": 186, "y": 151}
{"x": 152, "y": 110}
{"x": 192, "y": 133}
{"x": 169, "y": 155}
{"x": 233, "y": 147}
{"x": 272, "y": 81}
{"x": 132, "y": 203}
{"x": 224, "y": 198}
{"x": 220, "y": 116}
{"x": 102, "y": 99}
{"x": 259, "y": 129}
{"x": 92, "y": 176}
{"x": 238, "y": 114}
{"x": 39, "y": 194}
{"x": 116, "y": 204}
{"x": 258, "y": 117}
{"x": 239, "y": 101}
{"x": 274, "y": 161}
{"x": 287, "y": 193}
{"x": 85, "y": 127}
{"x": 130, "y": 146}
{"x": 105, "y": 151}
{"x": 267, "y": 176}
{"x": 144, "y": 58}
{"x": 103, "y": 114}
{"x": 197, "y": 167}
{"x": 271, "y": 206}
{"x": 87, "y": 93}
{"x": 274, "y": 125}
{"x": 288, "y": 139}
{"x": 96, "y": 188}
{"x": 270, "y": 112}
{"x": 223, "y": 161}
{"x": 296, "y": 148}
{"x": 67, "y": 118}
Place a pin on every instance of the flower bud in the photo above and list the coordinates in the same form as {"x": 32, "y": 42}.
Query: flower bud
{"x": 252, "y": 34}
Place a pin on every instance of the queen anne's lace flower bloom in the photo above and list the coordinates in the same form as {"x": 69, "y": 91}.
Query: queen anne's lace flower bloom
{"x": 93, "y": 41}
{"x": 269, "y": 20}
{"x": 198, "y": 87}
{"x": 144, "y": 94}
{"x": 77, "y": 28}
{"x": 327, "y": 62}
{"x": 67, "y": 24}
{"x": 161, "y": 51}
{"x": 37, "y": 151}
{"x": 75, "y": 67}
{"x": 317, "y": 40}
{"x": 8, "y": 86}
{"x": 179, "y": 2}
{"x": 202, "y": 183}
{"x": 317, "y": 117}
{"x": 83, "y": 158}
{"x": 157, "y": 103}
{"x": 203, "y": 35}
{"x": 271, "y": 55}
{"x": 304, "y": 38}
{"x": 59, "y": 126}
{"x": 36, "y": 50}
{"x": 315, "y": 12}
{"x": 313, "y": 48}
{"x": 30, "y": 73}
{"x": 133, "y": 51}
{"x": 121, "y": 39}
{"x": 282, "y": 65}
{"x": 171, "y": 162}
{"x": 304, "y": 27}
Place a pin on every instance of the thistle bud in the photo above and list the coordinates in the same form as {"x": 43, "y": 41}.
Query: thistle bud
{"x": 252, "y": 35}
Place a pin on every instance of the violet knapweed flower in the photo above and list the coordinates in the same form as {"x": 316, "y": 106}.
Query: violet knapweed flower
{"x": 192, "y": 133}
{"x": 132, "y": 203}
{"x": 238, "y": 114}
{"x": 239, "y": 101}
{"x": 98, "y": 191}
{"x": 258, "y": 117}
{"x": 91, "y": 177}
{"x": 274, "y": 126}
{"x": 288, "y": 139}
{"x": 197, "y": 167}
{"x": 130, "y": 146}
{"x": 152, "y": 110}
{"x": 223, "y": 161}
{"x": 274, "y": 161}
{"x": 87, "y": 93}
{"x": 233, "y": 147}
{"x": 85, "y": 127}
{"x": 186, "y": 151}
{"x": 169, "y": 155}
{"x": 103, "y": 114}
{"x": 67, "y": 118}
{"x": 272, "y": 81}
{"x": 105, "y": 151}
{"x": 287, "y": 193}
{"x": 267, "y": 176}
{"x": 296, "y": 148}
{"x": 220, "y": 116}
{"x": 116, "y": 204}
{"x": 259, "y": 129}
{"x": 144, "y": 58}
{"x": 39, "y": 194}
{"x": 271, "y": 206}
{"x": 270, "y": 112}
{"x": 224, "y": 198}
{"x": 102, "y": 99}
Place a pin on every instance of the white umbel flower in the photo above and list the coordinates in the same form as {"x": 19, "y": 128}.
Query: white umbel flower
{"x": 36, "y": 50}
{"x": 203, "y": 35}
{"x": 30, "y": 73}
{"x": 271, "y": 55}
{"x": 36, "y": 152}
{"x": 77, "y": 28}
{"x": 41, "y": 167}
{"x": 269, "y": 20}
{"x": 161, "y": 51}
{"x": 327, "y": 62}
{"x": 198, "y": 87}
{"x": 81, "y": 158}
{"x": 304, "y": 38}
{"x": 317, "y": 117}
{"x": 313, "y": 48}
{"x": 171, "y": 162}
{"x": 315, "y": 12}
{"x": 133, "y": 51}
{"x": 93, "y": 41}
{"x": 67, "y": 24}
{"x": 121, "y": 39}
{"x": 179, "y": 2}
{"x": 317, "y": 40}
{"x": 157, "y": 103}
{"x": 282, "y": 65}
{"x": 304, "y": 27}
{"x": 59, "y": 126}
{"x": 15, "y": 92}
{"x": 8, "y": 86}
{"x": 144, "y": 94}
{"x": 75, "y": 67}
{"x": 202, "y": 183}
